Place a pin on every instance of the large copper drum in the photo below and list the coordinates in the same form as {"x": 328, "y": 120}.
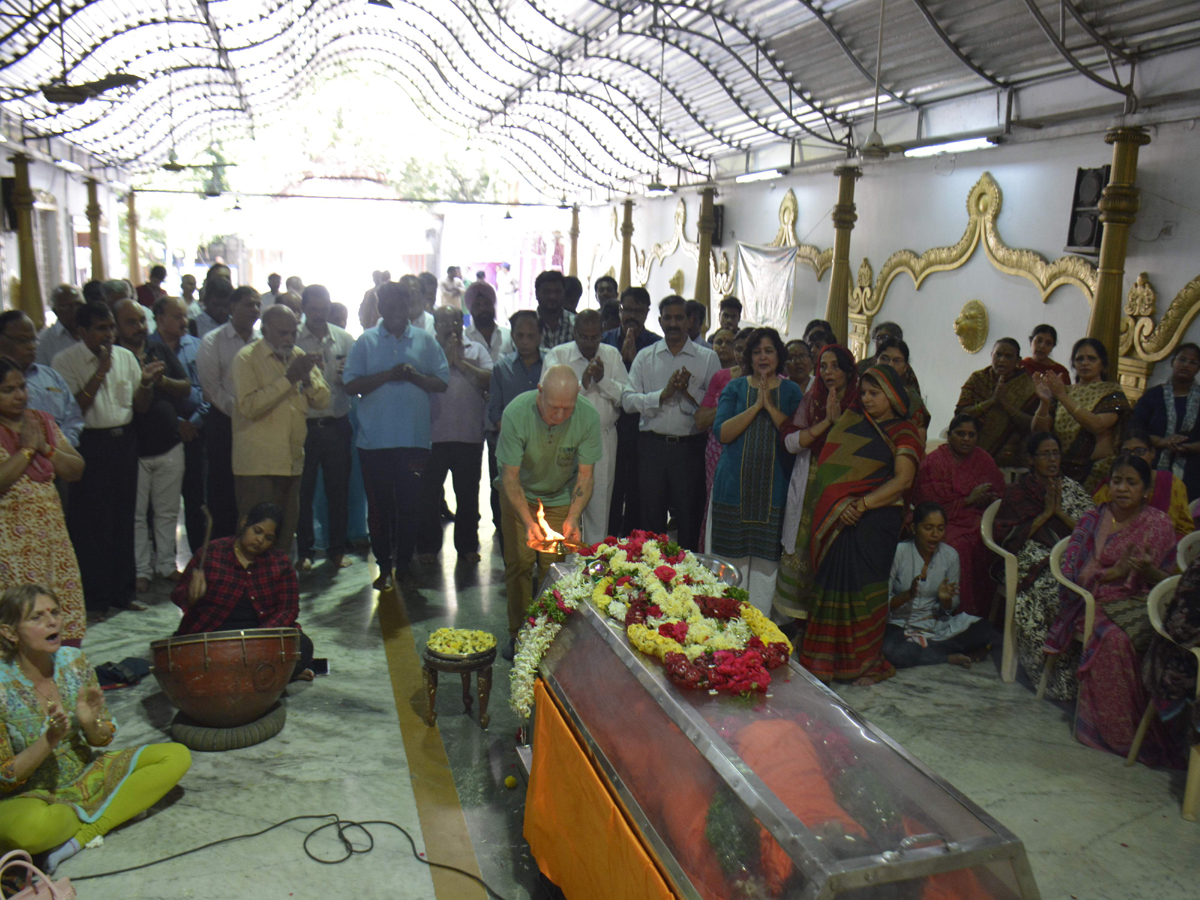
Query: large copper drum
{"x": 223, "y": 679}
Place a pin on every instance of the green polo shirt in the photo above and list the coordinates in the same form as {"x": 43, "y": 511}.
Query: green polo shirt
{"x": 549, "y": 457}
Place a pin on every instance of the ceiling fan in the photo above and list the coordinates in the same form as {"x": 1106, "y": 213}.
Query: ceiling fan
{"x": 174, "y": 165}
{"x": 73, "y": 94}
{"x": 59, "y": 91}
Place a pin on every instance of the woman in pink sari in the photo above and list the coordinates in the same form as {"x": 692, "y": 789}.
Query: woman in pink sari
{"x": 1117, "y": 552}
{"x": 729, "y": 348}
{"x": 964, "y": 479}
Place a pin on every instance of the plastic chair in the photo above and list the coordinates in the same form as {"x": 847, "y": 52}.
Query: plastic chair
{"x": 1187, "y": 551}
{"x": 987, "y": 527}
{"x": 1089, "y": 611}
{"x": 1156, "y": 605}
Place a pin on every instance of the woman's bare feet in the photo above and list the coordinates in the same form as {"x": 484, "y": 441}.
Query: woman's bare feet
{"x": 305, "y": 675}
{"x": 959, "y": 659}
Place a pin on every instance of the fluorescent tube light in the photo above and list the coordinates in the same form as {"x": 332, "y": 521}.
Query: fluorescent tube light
{"x": 765, "y": 175}
{"x": 119, "y": 186}
{"x": 68, "y": 165}
{"x": 978, "y": 143}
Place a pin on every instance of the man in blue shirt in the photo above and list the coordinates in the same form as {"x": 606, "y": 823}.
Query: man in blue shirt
{"x": 394, "y": 367}
{"x": 630, "y": 338}
{"x": 512, "y": 375}
{"x": 48, "y": 391}
{"x": 171, "y": 314}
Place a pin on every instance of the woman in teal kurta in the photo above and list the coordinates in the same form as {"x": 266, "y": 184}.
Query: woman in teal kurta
{"x": 57, "y": 792}
{"x": 750, "y": 485}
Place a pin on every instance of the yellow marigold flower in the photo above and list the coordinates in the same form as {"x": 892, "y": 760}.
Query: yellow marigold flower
{"x": 763, "y": 628}
{"x": 600, "y": 598}
{"x": 651, "y": 642}
{"x": 460, "y": 641}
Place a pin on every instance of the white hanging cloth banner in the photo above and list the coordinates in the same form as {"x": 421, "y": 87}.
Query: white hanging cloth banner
{"x": 766, "y": 279}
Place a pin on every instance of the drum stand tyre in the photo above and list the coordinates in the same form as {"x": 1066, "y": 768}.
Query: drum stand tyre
{"x": 185, "y": 731}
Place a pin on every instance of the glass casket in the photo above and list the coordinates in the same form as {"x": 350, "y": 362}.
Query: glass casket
{"x": 790, "y": 794}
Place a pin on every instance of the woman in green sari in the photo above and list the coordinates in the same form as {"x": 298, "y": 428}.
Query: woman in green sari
{"x": 1089, "y": 417}
{"x": 869, "y": 460}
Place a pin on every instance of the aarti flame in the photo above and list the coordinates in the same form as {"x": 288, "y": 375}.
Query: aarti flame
{"x": 550, "y": 533}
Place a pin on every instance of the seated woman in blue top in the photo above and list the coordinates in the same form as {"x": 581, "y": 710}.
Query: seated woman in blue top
{"x": 750, "y": 484}
{"x": 923, "y": 627}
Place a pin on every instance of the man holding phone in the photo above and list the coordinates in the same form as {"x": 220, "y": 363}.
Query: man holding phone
{"x": 327, "y": 446}
{"x": 275, "y": 383}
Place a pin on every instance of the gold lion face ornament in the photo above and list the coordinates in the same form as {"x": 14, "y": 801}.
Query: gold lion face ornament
{"x": 971, "y": 326}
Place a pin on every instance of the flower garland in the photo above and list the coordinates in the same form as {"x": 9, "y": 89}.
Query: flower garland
{"x": 673, "y": 608}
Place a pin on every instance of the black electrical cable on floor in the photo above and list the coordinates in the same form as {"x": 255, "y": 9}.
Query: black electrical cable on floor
{"x": 342, "y": 827}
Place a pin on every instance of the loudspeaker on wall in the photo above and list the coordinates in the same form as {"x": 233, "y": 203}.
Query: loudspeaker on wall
{"x": 1085, "y": 229}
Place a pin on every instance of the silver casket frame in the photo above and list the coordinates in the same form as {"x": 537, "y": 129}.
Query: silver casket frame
{"x": 916, "y": 824}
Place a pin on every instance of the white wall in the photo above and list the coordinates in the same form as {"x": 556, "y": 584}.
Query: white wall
{"x": 921, "y": 203}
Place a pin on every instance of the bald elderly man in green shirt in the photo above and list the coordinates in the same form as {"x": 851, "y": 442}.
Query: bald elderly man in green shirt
{"x": 549, "y": 444}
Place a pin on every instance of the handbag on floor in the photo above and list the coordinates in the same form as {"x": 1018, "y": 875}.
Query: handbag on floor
{"x": 127, "y": 673}
{"x": 43, "y": 888}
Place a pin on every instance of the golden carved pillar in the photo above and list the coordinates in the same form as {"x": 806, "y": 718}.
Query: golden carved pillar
{"x": 574, "y": 267}
{"x": 93, "y": 217}
{"x": 135, "y": 274}
{"x": 626, "y": 246}
{"x": 837, "y": 307}
{"x": 30, "y": 298}
{"x": 1118, "y": 210}
{"x": 706, "y": 223}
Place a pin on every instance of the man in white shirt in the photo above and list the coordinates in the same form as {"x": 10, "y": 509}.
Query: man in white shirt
{"x": 480, "y": 300}
{"x": 456, "y": 420}
{"x": 109, "y": 384}
{"x": 191, "y": 300}
{"x": 214, "y": 364}
{"x": 271, "y": 297}
{"x": 666, "y": 383}
{"x": 508, "y": 291}
{"x": 418, "y": 315}
{"x": 53, "y": 339}
{"x": 217, "y": 294}
{"x": 327, "y": 449}
{"x": 602, "y": 375}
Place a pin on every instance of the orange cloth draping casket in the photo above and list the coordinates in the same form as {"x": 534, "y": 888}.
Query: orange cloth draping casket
{"x": 577, "y": 832}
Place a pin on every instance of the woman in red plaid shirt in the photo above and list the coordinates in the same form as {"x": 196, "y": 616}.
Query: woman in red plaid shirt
{"x": 244, "y": 584}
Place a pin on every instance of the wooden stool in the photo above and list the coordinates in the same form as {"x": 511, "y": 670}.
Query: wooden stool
{"x": 462, "y": 665}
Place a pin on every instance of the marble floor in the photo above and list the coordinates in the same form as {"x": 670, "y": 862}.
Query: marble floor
{"x": 355, "y": 745}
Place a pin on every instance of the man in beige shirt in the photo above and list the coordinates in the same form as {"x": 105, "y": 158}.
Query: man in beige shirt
{"x": 274, "y": 385}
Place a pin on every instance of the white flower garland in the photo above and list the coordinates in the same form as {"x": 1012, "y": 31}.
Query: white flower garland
{"x": 535, "y": 639}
